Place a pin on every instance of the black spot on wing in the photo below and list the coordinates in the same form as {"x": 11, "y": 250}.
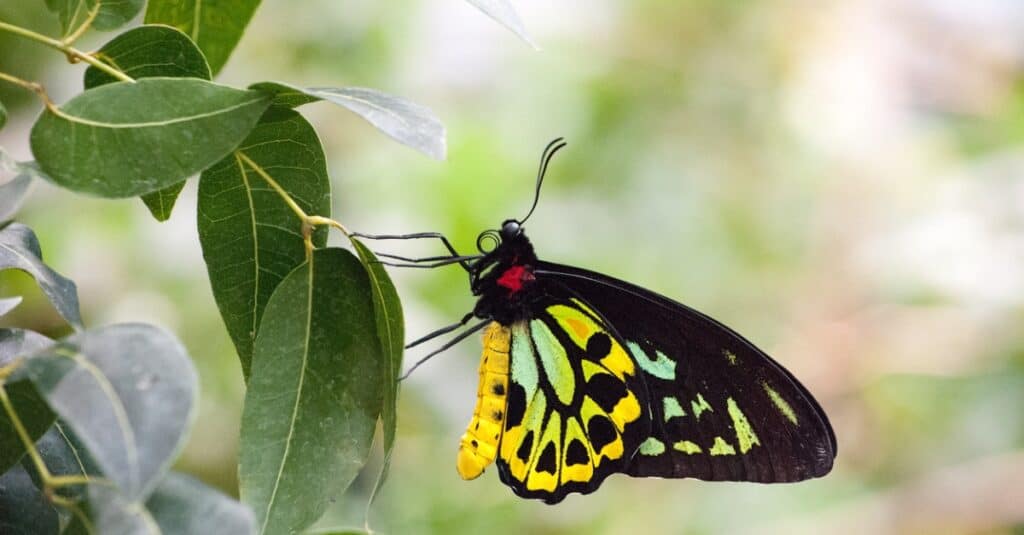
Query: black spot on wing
{"x": 576, "y": 453}
{"x": 516, "y": 406}
{"x": 523, "y": 453}
{"x": 606, "y": 390}
{"x": 598, "y": 346}
{"x": 548, "y": 461}
{"x": 601, "y": 432}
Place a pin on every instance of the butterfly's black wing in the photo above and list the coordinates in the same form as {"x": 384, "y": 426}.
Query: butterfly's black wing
{"x": 718, "y": 407}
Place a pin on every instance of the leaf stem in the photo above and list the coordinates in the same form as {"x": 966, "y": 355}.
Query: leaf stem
{"x": 66, "y": 48}
{"x": 310, "y": 221}
{"x": 69, "y": 40}
{"x": 34, "y": 87}
{"x": 26, "y": 440}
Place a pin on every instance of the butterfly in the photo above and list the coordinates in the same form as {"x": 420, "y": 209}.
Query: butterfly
{"x": 584, "y": 375}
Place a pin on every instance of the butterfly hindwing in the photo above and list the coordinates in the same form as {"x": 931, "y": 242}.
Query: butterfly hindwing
{"x": 574, "y": 411}
{"x": 715, "y": 407}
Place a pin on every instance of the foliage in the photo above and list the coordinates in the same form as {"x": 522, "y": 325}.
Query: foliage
{"x": 92, "y": 422}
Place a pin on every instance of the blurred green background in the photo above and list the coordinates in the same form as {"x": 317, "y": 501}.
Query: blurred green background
{"x": 841, "y": 181}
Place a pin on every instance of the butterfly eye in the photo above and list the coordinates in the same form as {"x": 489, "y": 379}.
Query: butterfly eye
{"x": 488, "y": 241}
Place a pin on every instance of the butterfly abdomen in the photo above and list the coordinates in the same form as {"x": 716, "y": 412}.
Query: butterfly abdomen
{"x": 479, "y": 444}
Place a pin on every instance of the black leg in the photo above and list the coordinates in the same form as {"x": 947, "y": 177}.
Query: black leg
{"x": 465, "y": 334}
{"x": 448, "y": 261}
{"x": 415, "y": 236}
{"x": 439, "y": 332}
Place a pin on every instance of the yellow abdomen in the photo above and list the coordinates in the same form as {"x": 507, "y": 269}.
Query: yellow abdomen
{"x": 479, "y": 444}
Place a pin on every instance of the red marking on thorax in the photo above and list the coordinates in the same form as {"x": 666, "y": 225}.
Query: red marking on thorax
{"x": 514, "y": 277}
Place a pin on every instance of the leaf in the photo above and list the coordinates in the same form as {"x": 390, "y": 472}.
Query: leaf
{"x": 506, "y": 15}
{"x": 19, "y": 249}
{"x": 251, "y": 240}
{"x": 112, "y": 15}
{"x": 14, "y": 191}
{"x": 161, "y": 202}
{"x": 313, "y": 398}
{"x": 64, "y": 455}
{"x": 23, "y": 508}
{"x": 110, "y": 512}
{"x": 408, "y": 123}
{"x": 31, "y": 409}
{"x": 387, "y": 315}
{"x": 127, "y": 392}
{"x": 183, "y": 505}
{"x": 3, "y": 116}
{"x": 127, "y": 139}
{"x": 146, "y": 52}
{"x": 216, "y": 26}
{"x": 8, "y": 304}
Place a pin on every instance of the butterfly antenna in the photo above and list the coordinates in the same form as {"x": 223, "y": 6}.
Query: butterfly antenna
{"x": 545, "y": 158}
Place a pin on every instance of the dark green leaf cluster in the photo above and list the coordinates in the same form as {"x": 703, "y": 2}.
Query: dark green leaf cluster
{"x": 92, "y": 422}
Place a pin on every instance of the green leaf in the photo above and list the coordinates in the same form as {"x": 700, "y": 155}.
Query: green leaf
{"x": 127, "y": 139}
{"x": 112, "y": 15}
{"x": 127, "y": 391}
{"x": 506, "y": 15}
{"x": 314, "y": 397}
{"x": 8, "y": 304}
{"x": 110, "y": 512}
{"x": 3, "y": 115}
{"x": 161, "y": 202}
{"x": 28, "y": 405}
{"x": 408, "y": 123}
{"x": 23, "y": 508}
{"x": 387, "y": 315}
{"x": 64, "y": 455}
{"x": 14, "y": 191}
{"x": 147, "y": 52}
{"x": 19, "y": 249}
{"x": 251, "y": 240}
{"x": 182, "y": 505}
{"x": 215, "y": 25}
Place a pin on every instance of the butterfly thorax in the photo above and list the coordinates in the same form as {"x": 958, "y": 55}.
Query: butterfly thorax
{"x": 503, "y": 279}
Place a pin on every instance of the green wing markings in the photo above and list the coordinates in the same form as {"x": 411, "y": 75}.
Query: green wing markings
{"x": 687, "y": 447}
{"x": 662, "y": 368}
{"x": 721, "y": 447}
{"x": 745, "y": 435}
{"x": 652, "y": 447}
{"x": 700, "y": 405}
{"x": 780, "y": 403}
{"x": 556, "y": 363}
{"x": 672, "y": 408}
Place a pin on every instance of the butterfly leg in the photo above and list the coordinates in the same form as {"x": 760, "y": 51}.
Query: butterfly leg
{"x": 416, "y": 236}
{"x": 443, "y": 330}
{"x": 462, "y": 336}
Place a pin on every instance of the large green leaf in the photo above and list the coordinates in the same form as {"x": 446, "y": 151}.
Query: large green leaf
{"x": 215, "y": 25}
{"x": 19, "y": 249}
{"x": 182, "y": 505}
{"x": 250, "y": 238}
{"x": 147, "y": 52}
{"x": 127, "y": 392}
{"x": 112, "y": 15}
{"x": 314, "y": 396}
{"x": 387, "y": 315}
{"x": 406, "y": 122}
{"x": 127, "y": 139}
{"x": 23, "y": 508}
{"x": 31, "y": 409}
{"x": 506, "y": 15}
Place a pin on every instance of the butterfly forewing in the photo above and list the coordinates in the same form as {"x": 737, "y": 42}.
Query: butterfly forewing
{"x": 715, "y": 406}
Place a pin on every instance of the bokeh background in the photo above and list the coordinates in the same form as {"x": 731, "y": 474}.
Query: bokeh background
{"x": 840, "y": 180}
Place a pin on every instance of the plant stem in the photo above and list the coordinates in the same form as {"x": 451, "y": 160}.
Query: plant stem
{"x": 85, "y": 26}
{"x": 26, "y": 440}
{"x": 66, "y": 48}
{"x": 31, "y": 86}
